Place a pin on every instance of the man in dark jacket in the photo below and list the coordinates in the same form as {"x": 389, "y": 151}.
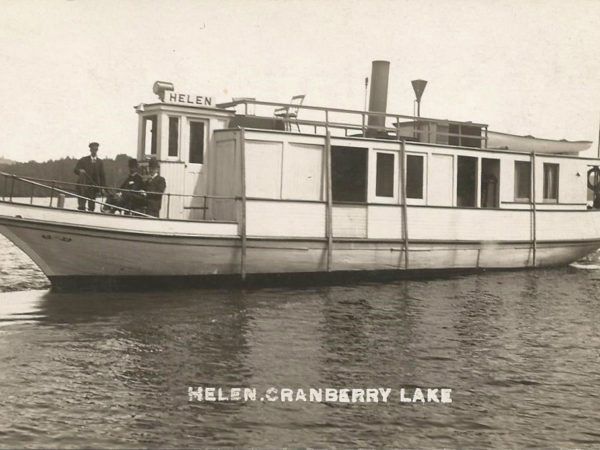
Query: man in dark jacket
{"x": 133, "y": 200}
{"x": 155, "y": 186}
{"x": 91, "y": 178}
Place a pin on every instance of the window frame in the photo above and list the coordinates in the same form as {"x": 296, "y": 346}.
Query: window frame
{"x": 476, "y": 181}
{"x": 556, "y": 189}
{"x": 372, "y": 181}
{"x": 154, "y": 119}
{"x": 368, "y": 186}
{"x": 518, "y": 199}
{"x": 423, "y": 199}
{"x": 177, "y": 156}
{"x": 204, "y": 123}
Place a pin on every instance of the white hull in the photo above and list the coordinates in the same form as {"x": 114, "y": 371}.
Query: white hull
{"x": 78, "y": 249}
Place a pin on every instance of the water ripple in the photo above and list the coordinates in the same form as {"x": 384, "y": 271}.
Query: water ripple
{"x": 518, "y": 349}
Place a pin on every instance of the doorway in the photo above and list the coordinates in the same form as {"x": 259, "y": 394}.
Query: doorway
{"x": 466, "y": 183}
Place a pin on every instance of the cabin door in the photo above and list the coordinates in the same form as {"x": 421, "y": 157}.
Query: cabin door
{"x": 466, "y": 182}
{"x": 349, "y": 175}
{"x": 195, "y": 182}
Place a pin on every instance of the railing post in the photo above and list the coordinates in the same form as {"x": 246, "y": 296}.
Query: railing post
{"x": 204, "y": 209}
{"x": 168, "y": 205}
{"x": 5, "y": 191}
{"x": 404, "y": 206}
{"x": 486, "y": 136}
{"x": 32, "y": 191}
{"x": 52, "y": 193}
{"x": 363, "y": 116}
{"x": 243, "y": 189}
{"x": 534, "y": 209}
{"x": 329, "y": 210}
{"x": 12, "y": 188}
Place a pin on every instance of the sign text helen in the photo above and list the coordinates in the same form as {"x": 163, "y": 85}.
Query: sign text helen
{"x": 187, "y": 99}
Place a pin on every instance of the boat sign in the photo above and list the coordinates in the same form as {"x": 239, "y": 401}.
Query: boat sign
{"x": 188, "y": 99}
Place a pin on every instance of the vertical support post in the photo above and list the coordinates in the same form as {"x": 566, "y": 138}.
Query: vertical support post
{"x": 329, "y": 199}
{"x": 32, "y": 191}
{"x": 12, "y": 188}
{"x": 5, "y": 191}
{"x": 403, "y": 199}
{"x": 599, "y": 140}
{"x": 52, "y": 193}
{"x": 243, "y": 189}
{"x": 204, "y": 209}
{"x": 168, "y": 205}
{"x": 363, "y": 115}
{"x": 533, "y": 209}
{"x": 486, "y": 136}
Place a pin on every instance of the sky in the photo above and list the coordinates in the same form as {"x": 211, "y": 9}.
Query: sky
{"x": 71, "y": 71}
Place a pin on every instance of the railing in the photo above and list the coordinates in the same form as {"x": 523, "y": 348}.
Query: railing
{"x": 56, "y": 188}
{"x": 419, "y": 126}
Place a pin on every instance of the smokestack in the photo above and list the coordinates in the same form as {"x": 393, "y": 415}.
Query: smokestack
{"x": 378, "y": 99}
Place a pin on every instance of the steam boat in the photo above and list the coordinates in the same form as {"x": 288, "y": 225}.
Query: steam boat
{"x": 263, "y": 190}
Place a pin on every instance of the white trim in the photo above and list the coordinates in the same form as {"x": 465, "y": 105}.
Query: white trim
{"x": 372, "y": 197}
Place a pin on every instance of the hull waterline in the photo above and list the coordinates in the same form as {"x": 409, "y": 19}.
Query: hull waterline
{"x": 82, "y": 256}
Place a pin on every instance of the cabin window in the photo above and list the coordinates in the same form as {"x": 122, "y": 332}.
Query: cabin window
{"x": 173, "y": 136}
{"x": 522, "y": 181}
{"x": 384, "y": 178}
{"x": 414, "y": 176}
{"x": 348, "y": 174}
{"x": 551, "y": 182}
{"x": 466, "y": 183}
{"x": 150, "y": 135}
{"x": 461, "y": 135}
{"x": 196, "y": 143}
{"x": 490, "y": 176}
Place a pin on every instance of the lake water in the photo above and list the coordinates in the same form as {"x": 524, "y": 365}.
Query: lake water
{"x": 520, "y": 351}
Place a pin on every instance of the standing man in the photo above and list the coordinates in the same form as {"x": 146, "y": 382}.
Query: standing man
{"x": 133, "y": 197}
{"x": 155, "y": 186}
{"x": 91, "y": 178}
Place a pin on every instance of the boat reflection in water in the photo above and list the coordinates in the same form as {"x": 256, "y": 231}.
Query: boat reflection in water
{"x": 114, "y": 369}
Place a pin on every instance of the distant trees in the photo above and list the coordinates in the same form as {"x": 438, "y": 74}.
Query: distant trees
{"x": 59, "y": 171}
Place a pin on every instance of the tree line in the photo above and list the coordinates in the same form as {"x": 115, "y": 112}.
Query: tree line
{"x": 59, "y": 171}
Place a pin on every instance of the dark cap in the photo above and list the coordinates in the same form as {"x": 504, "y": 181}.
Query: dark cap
{"x": 153, "y": 163}
{"x": 94, "y": 145}
{"x": 132, "y": 163}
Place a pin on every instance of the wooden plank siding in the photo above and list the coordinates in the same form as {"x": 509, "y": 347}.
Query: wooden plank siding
{"x": 286, "y": 219}
{"x": 286, "y": 190}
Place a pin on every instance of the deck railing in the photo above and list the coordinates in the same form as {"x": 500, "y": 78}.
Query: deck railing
{"x": 325, "y": 118}
{"x": 54, "y": 189}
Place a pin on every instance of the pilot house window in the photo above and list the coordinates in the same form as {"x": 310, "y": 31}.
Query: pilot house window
{"x": 150, "y": 131}
{"x": 196, "y": 143}
{"x": 173, "y": 135}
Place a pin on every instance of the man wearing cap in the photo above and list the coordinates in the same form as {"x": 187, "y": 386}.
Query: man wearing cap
{"x": 155, "y": 186}
{"x": 133, "y": 200}
{"x": 91, "y": 178}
